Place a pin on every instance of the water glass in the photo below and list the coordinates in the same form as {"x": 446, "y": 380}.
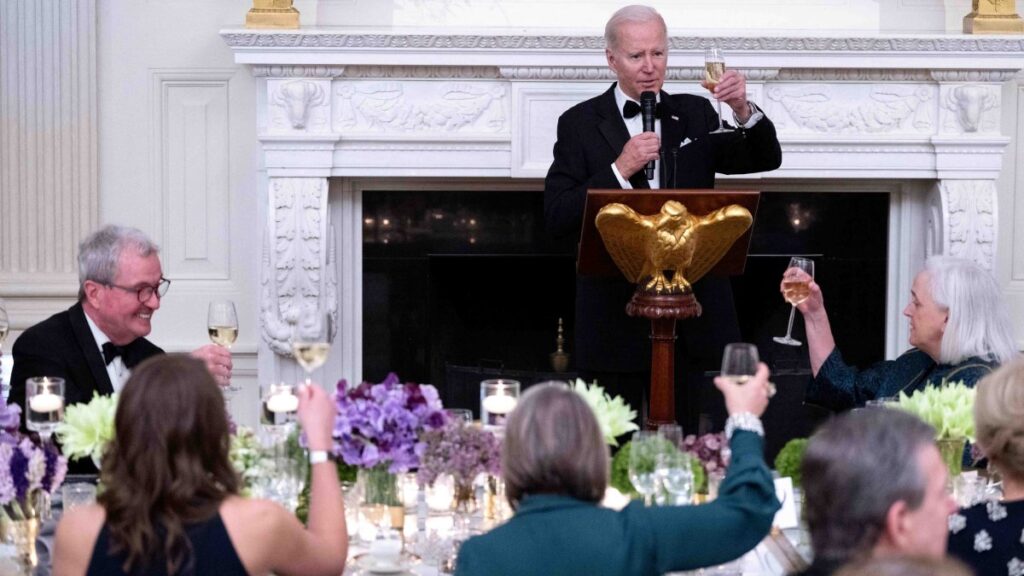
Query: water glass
{"x": 675, "y": 475}
{"x": 671, "y": 432}
{"x": 643, "y": 454}
{"x": 77, "y": 494}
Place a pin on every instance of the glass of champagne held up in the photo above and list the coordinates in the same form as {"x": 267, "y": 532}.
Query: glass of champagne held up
{"x": 312, "y": 343}
{"x": 714, "y": 68}
{"x": 796, "y": 288}
{"x": 222, "y": 325}
{"x": 739, "y": 362}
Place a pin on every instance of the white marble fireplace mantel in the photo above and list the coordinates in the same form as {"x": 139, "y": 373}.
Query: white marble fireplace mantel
{"x": 916, "y": 116}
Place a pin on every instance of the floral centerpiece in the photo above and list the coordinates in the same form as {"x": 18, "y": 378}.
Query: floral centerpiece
{"x": 614, "y": 416}
{"x": 29, "y": 474}
{"x": 87, "y": 429}
{"x": 949, "y": 408}
{"x": 462, "y": 451}
{"x": 711, "y": 450}
{"x": 378, "y": 428}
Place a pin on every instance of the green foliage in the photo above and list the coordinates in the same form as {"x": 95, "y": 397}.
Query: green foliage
{"x": 789, "y": 459}
{"x": 346, "y": 476}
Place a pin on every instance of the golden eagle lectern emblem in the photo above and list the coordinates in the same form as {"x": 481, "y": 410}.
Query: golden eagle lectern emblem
{"x": 646, "y": 248}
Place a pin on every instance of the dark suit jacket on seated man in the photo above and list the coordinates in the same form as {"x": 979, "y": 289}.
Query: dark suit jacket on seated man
{"x": 599, "y": 148}
{"x": 94, "y": 344}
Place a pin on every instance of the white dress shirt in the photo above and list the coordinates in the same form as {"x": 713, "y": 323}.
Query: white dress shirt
{"x": 117, "y": 371}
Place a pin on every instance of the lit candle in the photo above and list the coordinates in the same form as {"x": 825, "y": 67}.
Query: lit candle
{"x": 46, "y": 402}
{"x": 283, "y": 402}
{"x": 499, "y": 404}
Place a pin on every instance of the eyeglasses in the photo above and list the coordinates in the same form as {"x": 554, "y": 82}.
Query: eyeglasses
{"x": 146, "y": 292}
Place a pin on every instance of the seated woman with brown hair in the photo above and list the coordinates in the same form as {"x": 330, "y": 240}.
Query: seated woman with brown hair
{"x": 555, "y": 465}
{"x": 989, "y": 537}
{"x": 171, "y": 504}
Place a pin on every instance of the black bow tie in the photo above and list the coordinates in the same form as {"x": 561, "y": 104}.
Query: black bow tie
{"x": 630, "y": 109}
{"x": 111, "y": 351}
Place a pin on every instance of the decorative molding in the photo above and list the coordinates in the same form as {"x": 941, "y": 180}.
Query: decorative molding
{"x": 962, "y": 220}
{"x": 298, "y": 270}
{"x": 445, "y": 108}
{"x": 970, "y": 104}
{"x": 428, "y": 72}
{"x": 886, "y": 109}
{"x": 313, "y": 38}
{"x": 49, "y": 193}
{"x": 297, "y": 98}
{"x": 997, "y": 76}
{"x": 854, "y": 75}
{"x": 297, "y": 71}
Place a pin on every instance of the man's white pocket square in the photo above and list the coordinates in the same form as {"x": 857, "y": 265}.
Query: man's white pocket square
{"x": 685, "y": 142}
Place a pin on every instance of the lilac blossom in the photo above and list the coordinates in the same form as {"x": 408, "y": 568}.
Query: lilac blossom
{"x": 382, "y": 423}
{"x": 460, "y": 450}
{"x": 711, "y": 449}
{"x": 10, "y": 417}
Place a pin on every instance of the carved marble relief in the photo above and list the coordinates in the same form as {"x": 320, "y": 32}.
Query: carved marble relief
{"x": 298, "y": 270}
{"x": 962, "y": 220}
{"x": 971, "y": 108}
{"x": 422, "y": 107}
{"x": 835, "y": 110}
{"x": 299, "y": 105}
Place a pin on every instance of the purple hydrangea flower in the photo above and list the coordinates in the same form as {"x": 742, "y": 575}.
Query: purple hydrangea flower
{"x": 382, "y": 423}
{"x": 10, "y": 417}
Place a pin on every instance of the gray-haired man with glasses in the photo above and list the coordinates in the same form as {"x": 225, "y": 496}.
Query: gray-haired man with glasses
{"x": 95, "y": 344}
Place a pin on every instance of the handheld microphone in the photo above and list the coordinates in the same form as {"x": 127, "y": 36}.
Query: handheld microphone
{"x": 648, "y": 106}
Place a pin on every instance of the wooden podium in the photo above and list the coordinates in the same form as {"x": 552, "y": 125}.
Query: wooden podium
{"x": 663, "y": 310}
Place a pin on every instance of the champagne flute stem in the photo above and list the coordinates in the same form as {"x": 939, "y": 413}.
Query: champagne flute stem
{"x": 789, "y": 329}
{"x": 721, "y": 126}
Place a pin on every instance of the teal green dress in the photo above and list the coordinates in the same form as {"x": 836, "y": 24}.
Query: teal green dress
{"x": 839, "y": 386}
{"x": 552, "y": 535}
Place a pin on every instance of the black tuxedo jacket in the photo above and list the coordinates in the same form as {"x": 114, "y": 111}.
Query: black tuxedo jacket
{"x": 63, "y": 346}
{"x": 591, "y": 136}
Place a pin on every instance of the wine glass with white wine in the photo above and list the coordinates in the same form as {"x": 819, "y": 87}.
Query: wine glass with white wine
{"x": 222, "y": 325}
{"x": 739, "y": 362}
{"x": 714, "y": 68}
{"x": 312, "y": 343}
{"x": 796, "y": 287}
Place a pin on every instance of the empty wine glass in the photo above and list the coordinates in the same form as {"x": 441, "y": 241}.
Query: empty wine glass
{"x": 739, "y": 362}
{"x": 44, "y": 404}
{"x": 714, "y": 68}
{"x": 312, "y": 342}
{"x": 643, "y": 454}
{"x": 796, "y": 287}
{"x": 222, "y": 326}
{"x": 671, "y": 432}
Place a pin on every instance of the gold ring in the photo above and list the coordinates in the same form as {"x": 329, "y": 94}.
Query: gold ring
{"x": 771, "y": 389}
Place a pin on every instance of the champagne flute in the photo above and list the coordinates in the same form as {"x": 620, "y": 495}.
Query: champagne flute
{"x": 643, "y": 454}
{"x": 222, "y": 326}
{"x": 312, "y": 343}
{"x": 739, "y": 362}
{"x": 795, "y": 289}
{"x": 714, "y": 67}
{"x": 4, "y": 327}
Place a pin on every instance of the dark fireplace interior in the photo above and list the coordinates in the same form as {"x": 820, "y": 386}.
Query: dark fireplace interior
{"x": 461, "y": 286}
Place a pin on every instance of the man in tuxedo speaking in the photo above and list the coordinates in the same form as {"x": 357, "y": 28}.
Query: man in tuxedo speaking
{"x": 95, "y": 344}
{"x": 601, "y": 144}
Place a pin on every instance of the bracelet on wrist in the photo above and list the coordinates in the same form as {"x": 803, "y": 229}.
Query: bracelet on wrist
{"x": 743, "y": 421}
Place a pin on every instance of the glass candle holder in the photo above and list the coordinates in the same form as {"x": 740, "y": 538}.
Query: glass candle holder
{"x": 497, "y": 398}
{"x": 44, "y": 403}
{"x": 279, "y": 404}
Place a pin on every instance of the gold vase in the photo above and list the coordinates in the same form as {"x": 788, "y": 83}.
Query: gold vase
{"x": 22, "y": 535}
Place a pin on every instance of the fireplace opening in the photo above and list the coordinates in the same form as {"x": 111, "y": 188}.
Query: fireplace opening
{"x": 459, "y": 285}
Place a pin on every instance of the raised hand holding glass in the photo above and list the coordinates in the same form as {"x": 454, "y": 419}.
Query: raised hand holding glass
{"x": 796, "y": 287}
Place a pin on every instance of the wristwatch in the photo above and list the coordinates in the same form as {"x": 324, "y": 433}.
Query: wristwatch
{"x": 318, "y": 456}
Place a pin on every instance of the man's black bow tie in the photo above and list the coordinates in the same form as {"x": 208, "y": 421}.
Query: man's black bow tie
{"x": 111, "y": 351}
{"x": 630, "y": 109}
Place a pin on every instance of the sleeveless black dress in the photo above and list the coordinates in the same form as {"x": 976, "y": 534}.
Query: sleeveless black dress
{"x": 213, "y": 553}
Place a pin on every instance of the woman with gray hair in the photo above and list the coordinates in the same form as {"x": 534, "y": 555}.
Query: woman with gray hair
{"x": 959, "y": 330}
{"x": 555, "y": 464}
{"x": 989, "y": 536}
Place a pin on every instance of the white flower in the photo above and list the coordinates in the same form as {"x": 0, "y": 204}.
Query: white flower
{"x": 613, "y": 414}
{"x": 996, "y": 511}
{"x": 87, "y": 429}
{"x": 1015, "y": 567}
{"x": 982, "y": 542}
{"x": 957, "y": 522}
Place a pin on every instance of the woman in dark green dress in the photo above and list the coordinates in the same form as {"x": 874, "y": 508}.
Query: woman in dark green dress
{"x": 960, "y": 330}
{"x": 555, "y": 464}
